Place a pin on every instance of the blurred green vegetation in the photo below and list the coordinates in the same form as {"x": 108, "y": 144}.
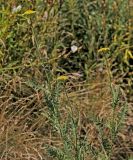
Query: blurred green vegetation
{"x": 49, "y": 33}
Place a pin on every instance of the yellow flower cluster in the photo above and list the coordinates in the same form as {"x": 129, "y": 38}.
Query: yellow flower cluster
{"x": 62, "y": 78}
{"x": 28, "y": 12}
{"x": 103, "y": 50}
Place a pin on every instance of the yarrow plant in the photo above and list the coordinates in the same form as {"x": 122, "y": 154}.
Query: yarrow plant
{"x": 65, "y": 67}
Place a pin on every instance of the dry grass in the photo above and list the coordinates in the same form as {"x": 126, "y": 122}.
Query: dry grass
{"x": 25, "y": 128}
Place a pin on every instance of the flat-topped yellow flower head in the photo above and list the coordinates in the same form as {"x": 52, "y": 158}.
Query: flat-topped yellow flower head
{"x": 63, "y": 78}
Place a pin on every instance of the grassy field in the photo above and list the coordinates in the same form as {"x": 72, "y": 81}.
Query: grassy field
{"x": 66, "y": 79}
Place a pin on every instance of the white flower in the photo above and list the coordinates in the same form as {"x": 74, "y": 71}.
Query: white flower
{"x": 74, "y": 48}
{"x": 16, "y": 9}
